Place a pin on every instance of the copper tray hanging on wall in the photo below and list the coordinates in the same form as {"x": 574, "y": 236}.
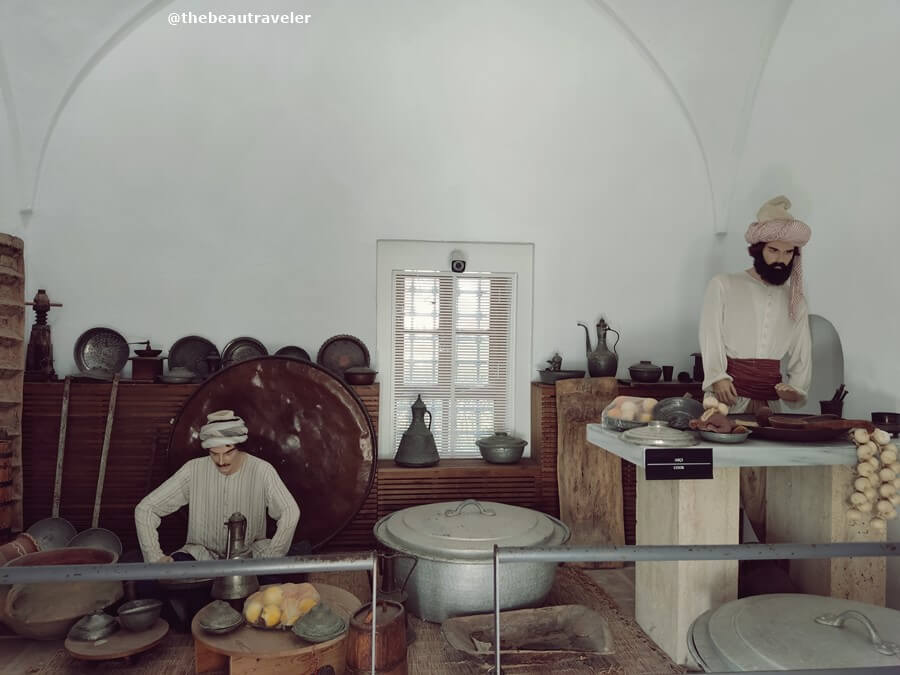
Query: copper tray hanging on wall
{"x": 340, "y": 352}
{"x": 304, "y": 421}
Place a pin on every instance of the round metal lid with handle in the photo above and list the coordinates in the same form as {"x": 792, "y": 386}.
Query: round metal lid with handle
{"x": 789, "y": 631}
{"x": 468, "y": 530}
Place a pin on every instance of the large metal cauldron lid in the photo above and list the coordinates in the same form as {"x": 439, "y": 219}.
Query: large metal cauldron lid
{"x": 306, "y": 422}
{"x": 467, "y": 530}
{"x": 779, "y": 632}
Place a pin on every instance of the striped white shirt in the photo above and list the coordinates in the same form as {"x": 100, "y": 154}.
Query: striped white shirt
{"x": 211, "y": 498}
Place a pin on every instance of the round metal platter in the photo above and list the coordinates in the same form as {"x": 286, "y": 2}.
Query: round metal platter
{"x": 303, "y": 420}
{"x": 243, "y": 349}
{"x": 101, "y": 349}
{"x": 190, "y": 352}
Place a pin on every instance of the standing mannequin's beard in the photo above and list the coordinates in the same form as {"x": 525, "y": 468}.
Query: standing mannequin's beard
{"x": 775, "y": 274}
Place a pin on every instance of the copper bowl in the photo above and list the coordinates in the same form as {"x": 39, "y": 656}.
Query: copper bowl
{"x": 48, "y": 611}
{"x": 359, "y": 375}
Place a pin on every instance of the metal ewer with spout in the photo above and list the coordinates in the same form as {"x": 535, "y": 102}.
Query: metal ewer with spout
{"x": 417, "y": 447}
{"x": 602, "y": 362}
{"x": 236, "y": 587}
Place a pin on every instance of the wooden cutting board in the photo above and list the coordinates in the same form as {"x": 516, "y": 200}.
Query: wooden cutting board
{"x": 589, "y": 478}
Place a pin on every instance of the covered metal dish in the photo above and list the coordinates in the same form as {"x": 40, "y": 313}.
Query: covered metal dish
{"x": 501, "y": 448}
{"x": 454, "y": 543}
{"x": 659, "y": 433}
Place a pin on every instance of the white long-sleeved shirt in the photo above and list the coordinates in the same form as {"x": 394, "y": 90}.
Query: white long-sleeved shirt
{"x": 744, "y": 318}
{"x": 211, "y": 498}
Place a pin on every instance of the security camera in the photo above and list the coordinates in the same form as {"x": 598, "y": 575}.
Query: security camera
{"x": 458, "y": 261}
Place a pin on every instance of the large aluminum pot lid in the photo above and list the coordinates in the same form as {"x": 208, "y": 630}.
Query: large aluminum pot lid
{"x": 780, "y": 632}
{"x": 467, "y": 530}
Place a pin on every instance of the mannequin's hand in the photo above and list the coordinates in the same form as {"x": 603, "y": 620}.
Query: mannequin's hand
{"x": 165, "y": 559}
{"x": 725, "y": 391}
{"x": 787, "y": 393}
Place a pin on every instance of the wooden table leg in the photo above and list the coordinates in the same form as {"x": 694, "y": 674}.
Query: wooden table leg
{"x": 670, "y": 595}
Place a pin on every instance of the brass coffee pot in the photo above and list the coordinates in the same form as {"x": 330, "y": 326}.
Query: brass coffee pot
{"x": 417, "y": 447}
{"x": 235, "y": 587}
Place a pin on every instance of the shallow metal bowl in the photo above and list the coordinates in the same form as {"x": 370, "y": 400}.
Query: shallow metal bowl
{"x": 51, "y": 533}
{"x": 617, "y": 424}
{"x": 715, "y": 437}
{"x": 97, "y": 537}
{"x": 678, "y": 411}
{"x": 93, "y": 627}
{"x": 138, "y": 615}
{"x": 219, "y": 618}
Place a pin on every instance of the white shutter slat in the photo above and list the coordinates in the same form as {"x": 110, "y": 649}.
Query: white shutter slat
{"x": 452, "y": 344}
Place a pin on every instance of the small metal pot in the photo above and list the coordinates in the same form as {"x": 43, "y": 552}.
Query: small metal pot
{"x": 454, "y": 542}
{"x": 645, "y": 371}
{"x": 501, "y": 448}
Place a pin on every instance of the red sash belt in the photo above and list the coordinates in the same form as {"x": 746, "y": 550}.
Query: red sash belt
{"x": 755, "y": 378}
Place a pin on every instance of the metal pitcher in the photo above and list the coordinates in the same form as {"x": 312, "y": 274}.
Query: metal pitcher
{"x": 417, "y": 447}
{"x": 602, "y": 362}
{"x": 236, "y": 587}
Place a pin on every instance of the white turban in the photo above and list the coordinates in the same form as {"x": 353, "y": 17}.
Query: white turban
{"x": 223, "y": 428}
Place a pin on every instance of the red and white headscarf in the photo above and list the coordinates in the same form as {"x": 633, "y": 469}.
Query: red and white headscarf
{"x": 775, "y": 223}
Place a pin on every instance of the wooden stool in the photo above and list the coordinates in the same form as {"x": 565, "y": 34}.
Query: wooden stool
{"x": 123, "y": 644}
{"x": 274, "y": 652}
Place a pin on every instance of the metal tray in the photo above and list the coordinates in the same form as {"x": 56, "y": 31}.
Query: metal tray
{"x": 529, "y": 634}
{"x": 243, "y": 349}
{"x": 294, "y": 353}
{"x": 323, "y": 444}
{"x": 341, "y": 352}
{"x": 788, "y": 435}
{"x": 190, "y": 352}
{"x": 101, "y": 349}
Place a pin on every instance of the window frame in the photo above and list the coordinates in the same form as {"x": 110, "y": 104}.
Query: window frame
{"x": 516, "y": 259}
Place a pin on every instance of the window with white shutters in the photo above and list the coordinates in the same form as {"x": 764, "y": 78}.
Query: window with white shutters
{"x": 452, "y": 343}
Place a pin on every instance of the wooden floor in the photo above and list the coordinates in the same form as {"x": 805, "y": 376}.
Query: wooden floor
{"x": 174, "y": 656}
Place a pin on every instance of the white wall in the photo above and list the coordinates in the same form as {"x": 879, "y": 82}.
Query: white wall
{"x": 824, "y": 132}
{"x": 233, "y": 180}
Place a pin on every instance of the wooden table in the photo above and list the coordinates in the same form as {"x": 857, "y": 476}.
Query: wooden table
{"x": 274, "y": 652}
{"x": 806, "y": 492}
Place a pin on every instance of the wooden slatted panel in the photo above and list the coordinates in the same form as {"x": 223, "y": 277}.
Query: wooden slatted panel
{"x": 400, "y": 488}
{"x": 137, "y": 462}
{"x": 543, "y": 443}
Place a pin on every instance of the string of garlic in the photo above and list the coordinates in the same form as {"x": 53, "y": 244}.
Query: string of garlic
{"x": 877, "y": 485}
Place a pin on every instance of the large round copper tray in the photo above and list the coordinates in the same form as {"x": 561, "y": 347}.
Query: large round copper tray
{"x": 304, "y": 421}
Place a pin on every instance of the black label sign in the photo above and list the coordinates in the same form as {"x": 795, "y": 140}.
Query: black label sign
{"x": 678, "y": 463}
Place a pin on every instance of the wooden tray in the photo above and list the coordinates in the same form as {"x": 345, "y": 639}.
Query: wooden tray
{"x": 121, "y": 644}
{"x": 531, "y": 635}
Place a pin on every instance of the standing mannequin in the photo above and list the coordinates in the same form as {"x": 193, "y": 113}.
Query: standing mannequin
{"x": 750, "y": 322}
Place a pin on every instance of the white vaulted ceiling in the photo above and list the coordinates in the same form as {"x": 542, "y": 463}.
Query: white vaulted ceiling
{"x": 46, "y": 49}
{"x": 710, "y": 54}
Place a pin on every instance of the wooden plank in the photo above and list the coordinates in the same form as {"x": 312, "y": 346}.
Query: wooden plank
{"x": 590, "y": 479}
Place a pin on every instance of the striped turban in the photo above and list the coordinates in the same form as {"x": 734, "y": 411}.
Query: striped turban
{"x": 223, "y": 428}
{"x": 775, "y": 223}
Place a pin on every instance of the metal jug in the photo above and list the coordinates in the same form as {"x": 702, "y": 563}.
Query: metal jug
{"x": 236, "y": 587}
{"x": 601, "y": 361}
{"x": 417, "y": 447}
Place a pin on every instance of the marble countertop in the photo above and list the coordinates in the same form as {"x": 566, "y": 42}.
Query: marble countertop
{"x": 749, "y": 453}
